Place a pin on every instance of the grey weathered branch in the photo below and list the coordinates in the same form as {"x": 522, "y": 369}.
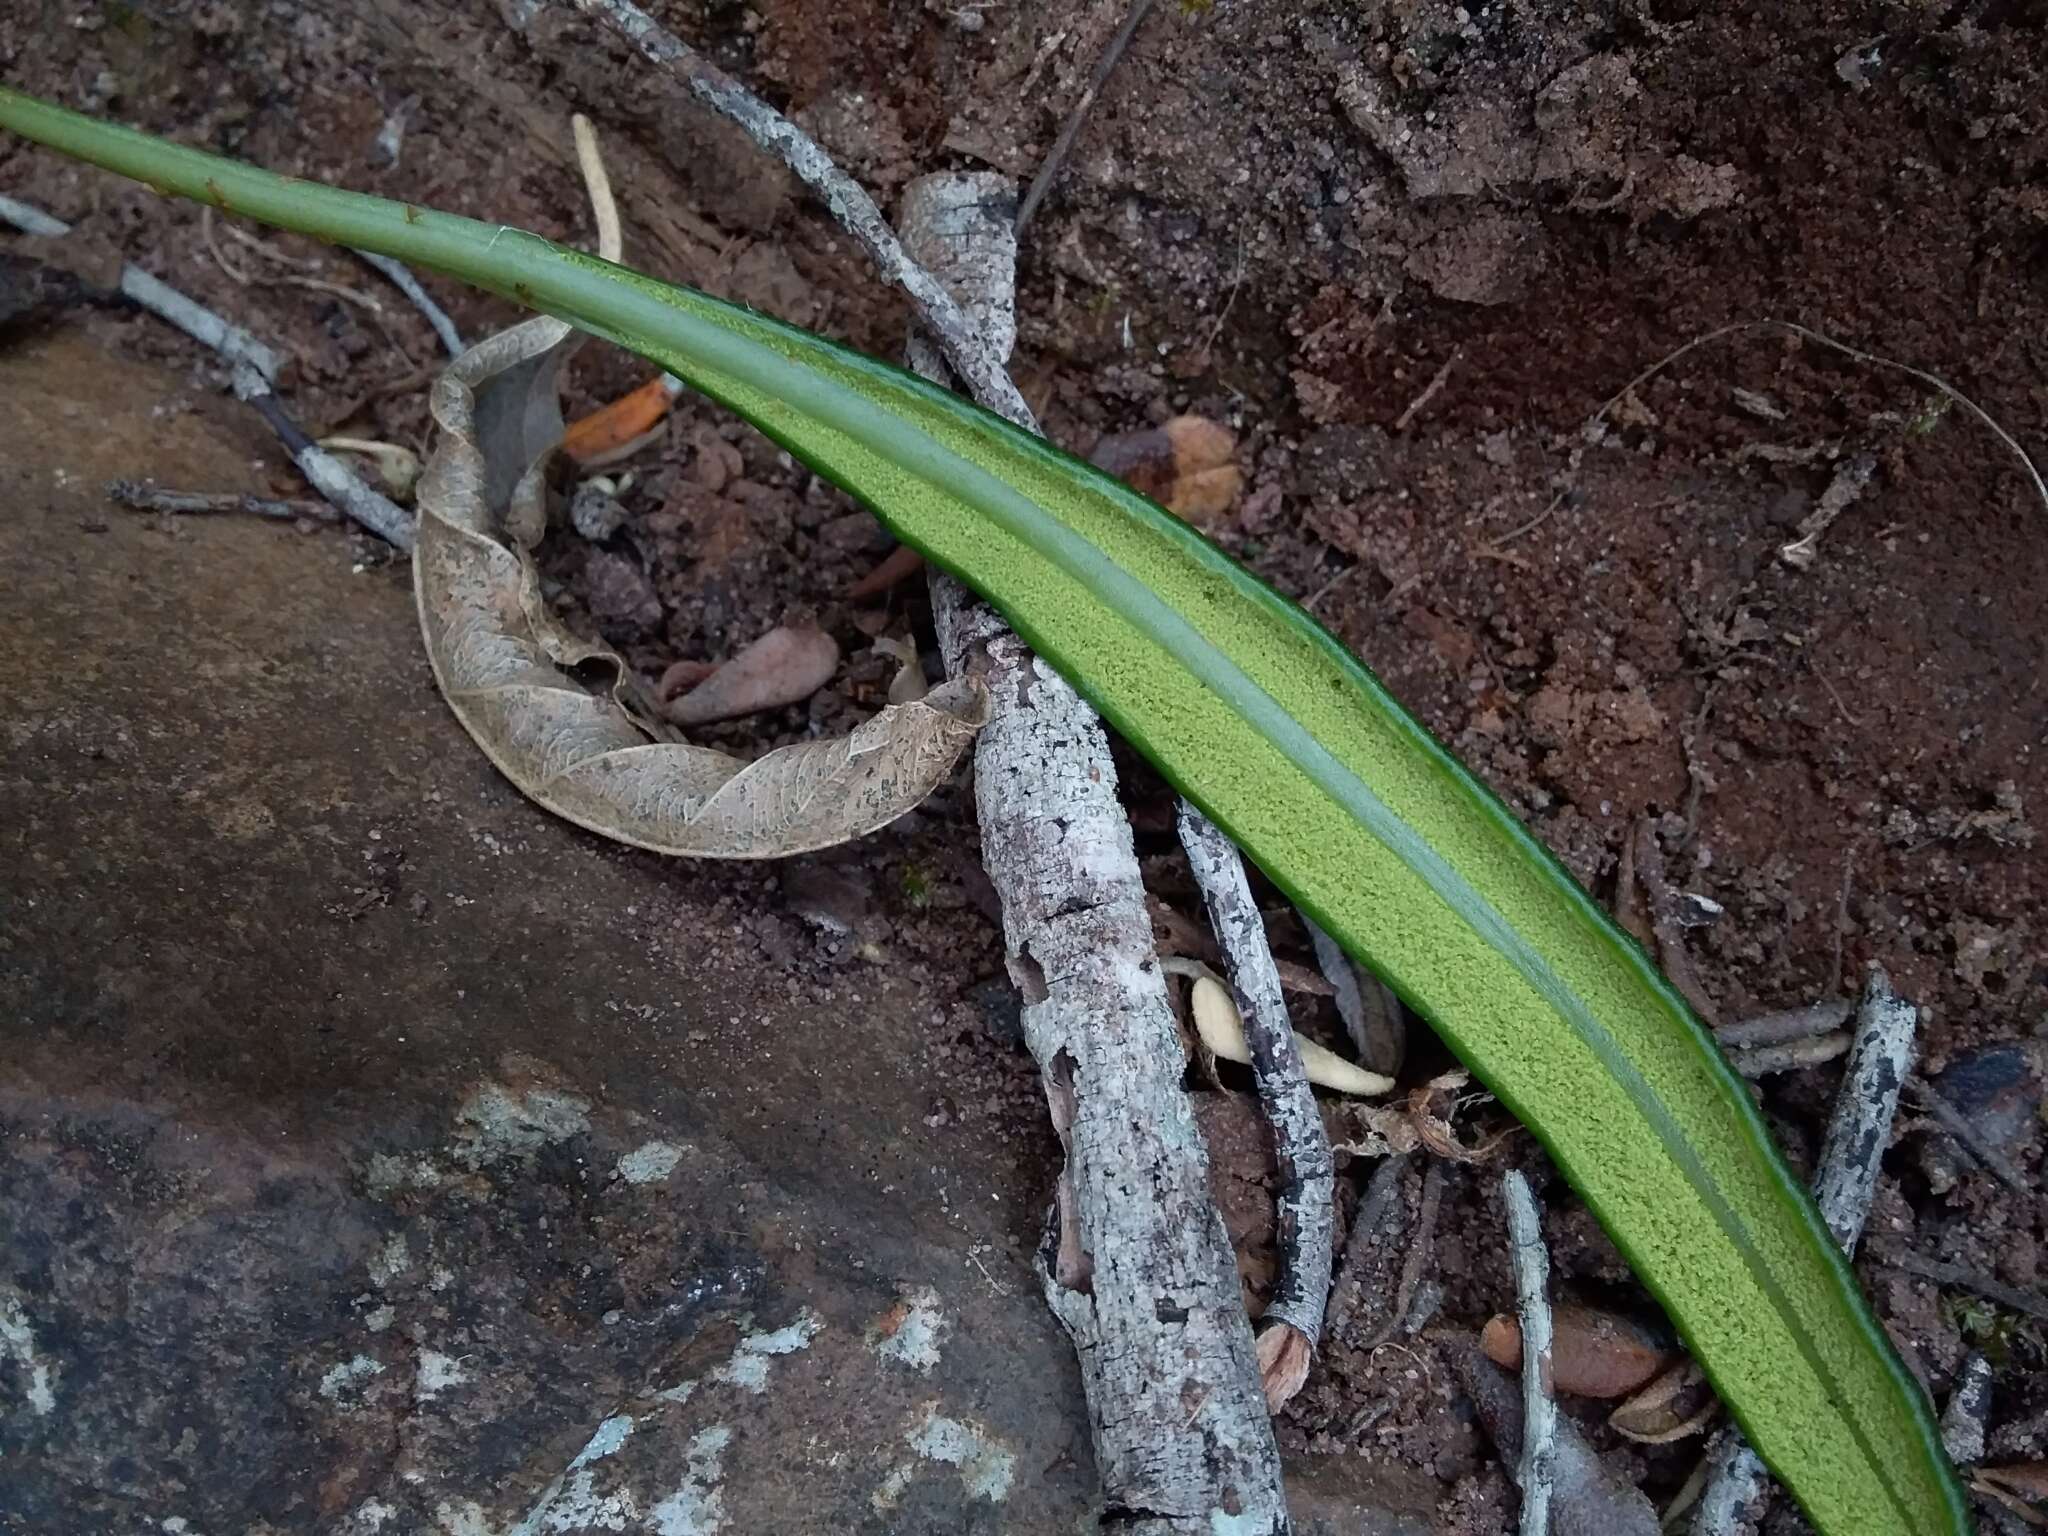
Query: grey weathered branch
{"x": 1143, "y": 1280}
{"x": 254, "y": 369}
{"x": 1301, "y": 1149}
{"x": 399, "y": 275}
{"x": 1531, "y": 1263}
{"x": 970, "y": 358}
{"x": 1858, "y": 1134}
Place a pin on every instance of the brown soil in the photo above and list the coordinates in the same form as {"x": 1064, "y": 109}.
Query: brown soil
{"x": 1294, "y": 219}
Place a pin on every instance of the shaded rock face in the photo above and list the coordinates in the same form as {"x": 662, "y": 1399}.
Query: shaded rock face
{"x": 379, "y": 1155}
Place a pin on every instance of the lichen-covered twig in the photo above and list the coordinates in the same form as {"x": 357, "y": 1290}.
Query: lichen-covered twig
{"x": 254, "y": 372}
{"x": 1531, "y": 1263}
{"x": 1060, "y": 853}
{"x": 1301, "y": 1150}
{"x": 1858, "y": 1134}
{"x": 1969, "y": 1405}
{"x": 1179, "y": 1422}
{"x": 968, "y": 356}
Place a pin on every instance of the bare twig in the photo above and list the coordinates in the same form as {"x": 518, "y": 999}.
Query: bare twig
{"x": 1366, "y": 1222}
{"x": 1764, "y": 1060}
{"x": 1786, "y": 1026}
{"x": 1429, "y": 391}
{"x": 1858, "y": 1135}
{"x": 401, "y": 278}
{"x": 1301, "y": 1151}
{"x": 1166, "y": 1353}
{"x": 1791, "y": 328}
{"x": 1421, "y": 1251}
{"x": 1850, "y": 477}
{"x": 1531, "y": 1261}
{"x": 254, "y": 369}
{"x": 969, "y": 356}
{"x": 147, "y": 498}
{"x": 1662, "y": 901}
{"x": 234, "y": 344}
{"x": 604, "y": 209}
{"x": 1588, "y": 1498}
{"x": 2026, "y": 1303}
{"x": 1958, "y": 1125}
{"x": 1042, "y": 182}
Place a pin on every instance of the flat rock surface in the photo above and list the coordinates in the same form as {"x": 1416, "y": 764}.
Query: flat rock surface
{"x": 378, "y": 1154}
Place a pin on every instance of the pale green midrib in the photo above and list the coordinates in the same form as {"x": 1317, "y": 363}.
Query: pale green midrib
{"x": 947, "y": 472}
{"x": 451, "y": 243}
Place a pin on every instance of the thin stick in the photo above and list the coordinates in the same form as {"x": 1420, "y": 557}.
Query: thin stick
{"x": 603, "y": 208}
{"x": 1958, "y": 1125}
{"x": 147, "y": 498}
{"x": 253, "y": 372}
{"x": 1531, "y": 1262}
{"x": 937, "y": 310}
{"x": 1850, "y": 478}
{"x": 1786, "y": 1025}
{"x": 1858, "y": 1134}
{"x": 1856, "y": 353}
{"x": 1370, "y": 1011}
{"x": 1429, "y": 391}
{"x": 1421, "y": 1249}
{"x": 1042, "y": 182}
{"x": 2027, "y": 1303}
{"x": 1304, "y": 1241}
{"x": 401, "y": 278}
{"x": 1365, "y": 1226}
{"x": 333, "y": 479}
{"x": 233, "y": 343}
{"x": 1662, "y": 901}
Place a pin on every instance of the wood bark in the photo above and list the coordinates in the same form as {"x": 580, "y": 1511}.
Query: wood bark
{"x": 1137, "y": 1266}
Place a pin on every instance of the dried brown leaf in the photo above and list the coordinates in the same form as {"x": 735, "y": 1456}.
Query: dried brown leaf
{"x": 501, "y": 657}
{"x": 785, "y": 666}
{"x": 1594, "y": 1353}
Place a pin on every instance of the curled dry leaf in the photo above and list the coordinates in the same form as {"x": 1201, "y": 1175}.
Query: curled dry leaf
{"x": 909, "y": 684}
{"x": 1676, "y": 1404}
{"x": 502, "y": 659}
{"x": 1431, "y": 1107}
{"x": 1593, "y": 1353}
